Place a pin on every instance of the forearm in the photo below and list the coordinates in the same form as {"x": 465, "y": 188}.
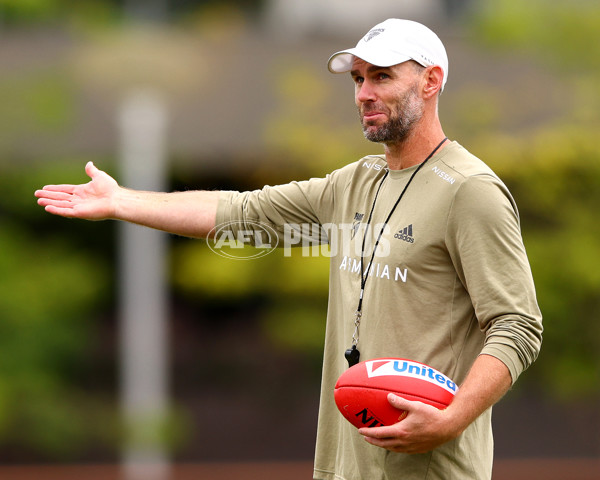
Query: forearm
{"x": 190, "y": 213}
{"x": 487, "y": 382}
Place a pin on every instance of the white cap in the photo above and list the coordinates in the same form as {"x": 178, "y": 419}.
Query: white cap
{"x": 392, "y": 42}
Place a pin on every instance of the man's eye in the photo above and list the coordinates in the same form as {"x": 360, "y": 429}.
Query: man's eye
{"x": 359, "y": 79}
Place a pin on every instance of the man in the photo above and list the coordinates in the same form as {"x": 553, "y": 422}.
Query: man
{"x": 435, "y": 269}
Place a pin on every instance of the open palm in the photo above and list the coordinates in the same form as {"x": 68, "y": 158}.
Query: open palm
{"x": 91, "y": 201}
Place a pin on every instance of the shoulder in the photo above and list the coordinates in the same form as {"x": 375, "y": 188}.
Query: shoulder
{"x": 463, "y": 164}
{"x": 477, "y": 188}
{"x": 368, "y": 166}
{"x": 334, "y": 183}
{"x": 354, "y": 174}
{"x": 467, "y": 173}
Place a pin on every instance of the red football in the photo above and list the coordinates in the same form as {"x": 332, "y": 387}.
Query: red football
{"x": 361, "y": 391}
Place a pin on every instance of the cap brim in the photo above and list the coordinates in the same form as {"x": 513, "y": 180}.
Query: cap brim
{"x": 341, "y": 62}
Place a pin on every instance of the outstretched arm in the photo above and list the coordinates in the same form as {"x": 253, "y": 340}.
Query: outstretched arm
{"x": 190, "y": 214}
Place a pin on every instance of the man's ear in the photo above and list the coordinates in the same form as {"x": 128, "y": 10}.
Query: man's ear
{"x": 433, "y": 78}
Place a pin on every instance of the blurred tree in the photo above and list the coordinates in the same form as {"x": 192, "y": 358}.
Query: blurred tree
{"x": 48, "y": 286}
{"x": 553, "y": 170}
{"x": 94, "y": 12}
{"x": 56, "y": 12}
{"x": 555, "y": 178}
{"x": 560, "y": 32}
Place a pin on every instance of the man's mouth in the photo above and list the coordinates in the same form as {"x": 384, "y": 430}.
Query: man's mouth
{"x": 371, "y": 114}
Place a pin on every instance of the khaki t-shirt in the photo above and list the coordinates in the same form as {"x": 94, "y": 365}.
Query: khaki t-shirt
{"x": 450, "y": 280}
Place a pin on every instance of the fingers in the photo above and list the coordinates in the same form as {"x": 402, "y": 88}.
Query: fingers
{"x": 45, "y": 192}
{"x": 56, "y": 199}
{"x": 400, "y": 403}
{"x": 413, "y": 433}
{"x": 382, "y": 436}
{"x": 391, "y": 438}
{"x": 90, "y": 200}
{"x": 51, "y": 189}
{"x": 55, "y": 191}
{"x": 91, "y": 170}
{"x": 56, "y": 206}
{"x": 67, "y": 212}
{"x": 56, "y": 202}
{"x": 378, "y": 432}
{"x": 45, "y": 202}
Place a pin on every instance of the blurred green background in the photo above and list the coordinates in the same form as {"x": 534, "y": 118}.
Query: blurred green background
{"x": 251, "y": 103}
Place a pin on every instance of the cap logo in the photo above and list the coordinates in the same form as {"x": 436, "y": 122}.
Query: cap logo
{"x": 426, "y": 59}
{"x": 373, "y": 33}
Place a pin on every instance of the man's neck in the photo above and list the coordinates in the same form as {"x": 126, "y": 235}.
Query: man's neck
{"x": 413, "y": 150}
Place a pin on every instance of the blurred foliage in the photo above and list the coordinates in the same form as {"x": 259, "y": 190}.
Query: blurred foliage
{"x": 48, "y": 12}
{"x": 295, "y": 288}
{"x": 553, "y": 170}
{"x": 88, "y": 13}
{"x": 48, "y": 285}
{"x": 304, "y": 275}
{"x": 555, "y": 178}
{"x": 561, "y": 32}
{"x": 41, "y": 104}
{"x": 305, "y": 130}
{"x": 55, "y": 274}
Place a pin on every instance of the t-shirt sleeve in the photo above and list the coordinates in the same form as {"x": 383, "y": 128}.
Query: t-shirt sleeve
{"x": 486, "y": 246}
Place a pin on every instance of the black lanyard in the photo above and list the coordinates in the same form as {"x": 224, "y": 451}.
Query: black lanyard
{"x": 352, "y": 354}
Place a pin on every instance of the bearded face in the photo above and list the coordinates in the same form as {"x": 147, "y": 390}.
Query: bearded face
{"x": 402, "y": 117}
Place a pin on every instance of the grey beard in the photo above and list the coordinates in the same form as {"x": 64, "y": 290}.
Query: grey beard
{"x": 395, "y": 130}
{"x": 398, "y": 128}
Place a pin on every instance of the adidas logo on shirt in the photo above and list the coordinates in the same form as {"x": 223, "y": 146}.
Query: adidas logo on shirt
{"x": 406, "y": 234}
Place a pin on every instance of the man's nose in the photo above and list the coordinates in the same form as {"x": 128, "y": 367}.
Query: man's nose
{"x": 365, "y": 92}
